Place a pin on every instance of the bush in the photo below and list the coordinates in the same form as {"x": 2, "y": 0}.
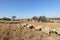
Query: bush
{"x": 42, "y": 18}
{"x": 5, "y": 18}
{"x": 35, "y": 18}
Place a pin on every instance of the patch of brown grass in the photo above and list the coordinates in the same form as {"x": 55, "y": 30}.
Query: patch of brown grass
{"x": 15, "y": 32}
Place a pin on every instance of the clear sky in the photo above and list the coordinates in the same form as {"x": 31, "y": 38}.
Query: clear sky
{"x": 29, "y": 8}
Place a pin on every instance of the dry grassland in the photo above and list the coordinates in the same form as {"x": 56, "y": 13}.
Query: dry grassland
{"x": 17, "y": 32}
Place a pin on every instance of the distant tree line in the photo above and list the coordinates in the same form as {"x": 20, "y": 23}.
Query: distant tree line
{"x": 5, "y": 18}
{"x": 54, "y": 18}
{"x": 8, "y": 19}
{"x": 40, "y": 18}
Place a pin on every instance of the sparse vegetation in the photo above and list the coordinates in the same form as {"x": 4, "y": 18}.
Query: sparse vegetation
{"x": 15, "y": 31}
{"x": 18, "y": 32}
{"x": 5, "y": 18}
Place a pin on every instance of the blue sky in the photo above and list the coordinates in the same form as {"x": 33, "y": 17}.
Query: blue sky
{"x": 29, "y": 8}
